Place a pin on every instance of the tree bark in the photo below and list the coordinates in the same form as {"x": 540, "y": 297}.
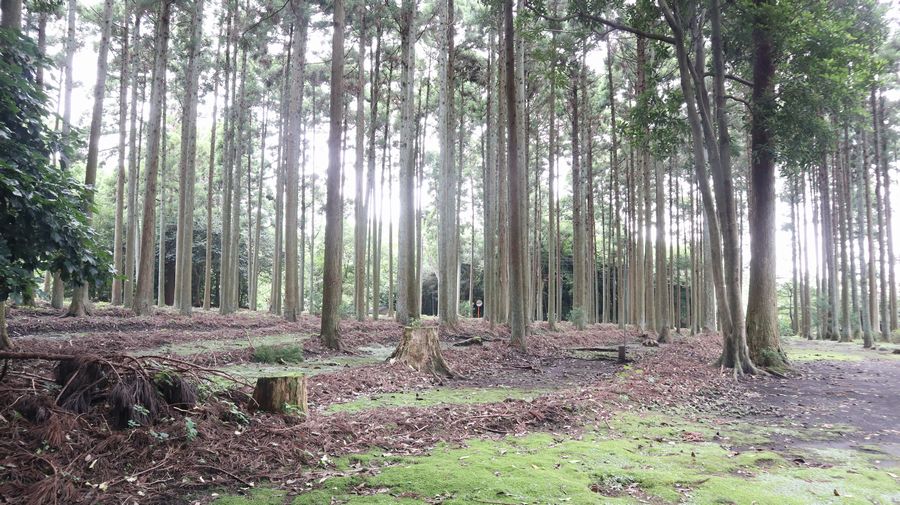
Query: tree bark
{"x": 359, "y": 202}
{"x": 517, "y": 265}
{"x": 406, "y": 267}
{"x": 292, "y": 159}
{"x": 762, "y": 314}
{"x": 118, "y": 233}
{"x": 420, "y": 349}
{"x": 207, "y": 263}
{"x": 143, "y": 301}
{"x": 12, "y": 14}
{"x": 131, "y": 233}
{"x": 184, "y": 259}
{"x": 332, "y": 285}
{"x": 448, "y": 238}
{"x": 552, "y": 244}
{"x": 80, "y": 301}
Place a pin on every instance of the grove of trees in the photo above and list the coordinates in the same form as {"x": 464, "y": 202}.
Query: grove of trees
{"x": 676, "y": 165}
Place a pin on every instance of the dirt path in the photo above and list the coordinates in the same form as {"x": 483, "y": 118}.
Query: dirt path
{"x": 844, "y": 397}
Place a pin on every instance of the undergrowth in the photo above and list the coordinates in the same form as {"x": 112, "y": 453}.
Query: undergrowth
{"x": 288, "y": 353}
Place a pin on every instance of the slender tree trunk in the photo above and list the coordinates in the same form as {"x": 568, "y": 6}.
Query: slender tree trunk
{"x": 163, "y": 176}
{"x": 829, "y": 321}
{"x": 207, "y": 264}
{"x": 80, "y": 300}
{"x": 552, "y": 244}
{"x": 184, "y": 259}
{"x": 118, "y": 233}
{"x": 331, "y": 291}
{"x": 143, "y": 298}
{"x": 292, "y": 159}
{"x": 517, "y": 267}
{"x": 448, "y": 238}
{"x": 839, "y": 168}
{"x": 375, "y": 81}
{"x": 806, "y": 329}
{"x": 406, "y": 267}
{"x": 864, "y": 260}
{"x": 359, "y": 203}
{"x": 58, "y": 290}
{"x": 131, "y": 241}
{"x": 254, "y": 276}
{"x": 888, "y": 221}
{"x": 662, "y": 292}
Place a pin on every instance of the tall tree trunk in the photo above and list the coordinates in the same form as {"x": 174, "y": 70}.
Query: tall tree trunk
{"x": 829, "y": 319}
{"x": 80, "y": 301}
{"x": 163, "y": 176}
{"x": 762, "y": 312}
{"x": 143, "y": 301}
{"x": 579, "y": 290}
{"x": 375, "y": 239}
{"x": 332, "y": 285}
{"x": 888, "y": 221}
{"x": 292, "y": 159}
{"x": 58, "y": 290}
{"x": 118, "y": 233}
{"x": 448, "y": 237}
{"x": 552, "y": 244}
{"x": 517, "y": 266}
{"x": 134, "y": 140}
{"x": 254, "y": 271}
{"x": 503, "y": 260}
{"x": 662, "y": 292}
{"x": 406, "y": 267}
{"x": 359, "y": 203}
{"x": 184, "y": 258}
{"x": 865, "y": 319}
{"x": 207, "y": 264}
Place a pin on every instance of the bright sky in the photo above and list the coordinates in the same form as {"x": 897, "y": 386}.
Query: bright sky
{"x": 319, "y": 50}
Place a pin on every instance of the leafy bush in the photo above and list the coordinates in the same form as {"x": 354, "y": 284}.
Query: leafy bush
{"x": 576, "y": 317}
{"x": 42, "y": 214}
{"x": 288, "y": 353}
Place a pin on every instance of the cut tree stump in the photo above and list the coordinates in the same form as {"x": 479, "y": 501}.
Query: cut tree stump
{"x": 274, "y": 394}
{"x": 421, "y": 350}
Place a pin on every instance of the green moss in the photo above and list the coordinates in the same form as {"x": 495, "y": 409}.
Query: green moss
{"x": 666, "y": 459}
{"x": 222, "y": 345}
{"x": 286, "y": 353}
{"x": 816, "y": 355}
{"x": 434, "y": 397}
{"x": 257, "y": 496}
{"x": 252, "y": 371}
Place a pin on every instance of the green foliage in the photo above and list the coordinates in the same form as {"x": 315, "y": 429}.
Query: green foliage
{"x": 576, "y": 317}
{"x": 42, "y": 207}
{"x": 287, "y": 353}
{"x": 293, "y": 410}
{"x": 190, "y": 429}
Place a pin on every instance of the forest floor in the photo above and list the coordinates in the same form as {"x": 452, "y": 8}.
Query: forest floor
{"x": 555, "y": 426}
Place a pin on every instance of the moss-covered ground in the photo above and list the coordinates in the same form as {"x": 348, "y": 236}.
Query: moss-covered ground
{"x": 203, "y": 345}
{"x": 636, "y": 458}
{"x": 802, "y": 350}
{"x": 436, "y": 396}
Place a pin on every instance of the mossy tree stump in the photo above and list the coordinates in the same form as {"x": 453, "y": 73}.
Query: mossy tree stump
{"x": 421, "y": 350}
{"x": 275, "y": 394}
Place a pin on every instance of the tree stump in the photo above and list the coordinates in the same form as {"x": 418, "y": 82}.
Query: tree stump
{"x": 281, "y": 394}
{"x": 421, "y": 350}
